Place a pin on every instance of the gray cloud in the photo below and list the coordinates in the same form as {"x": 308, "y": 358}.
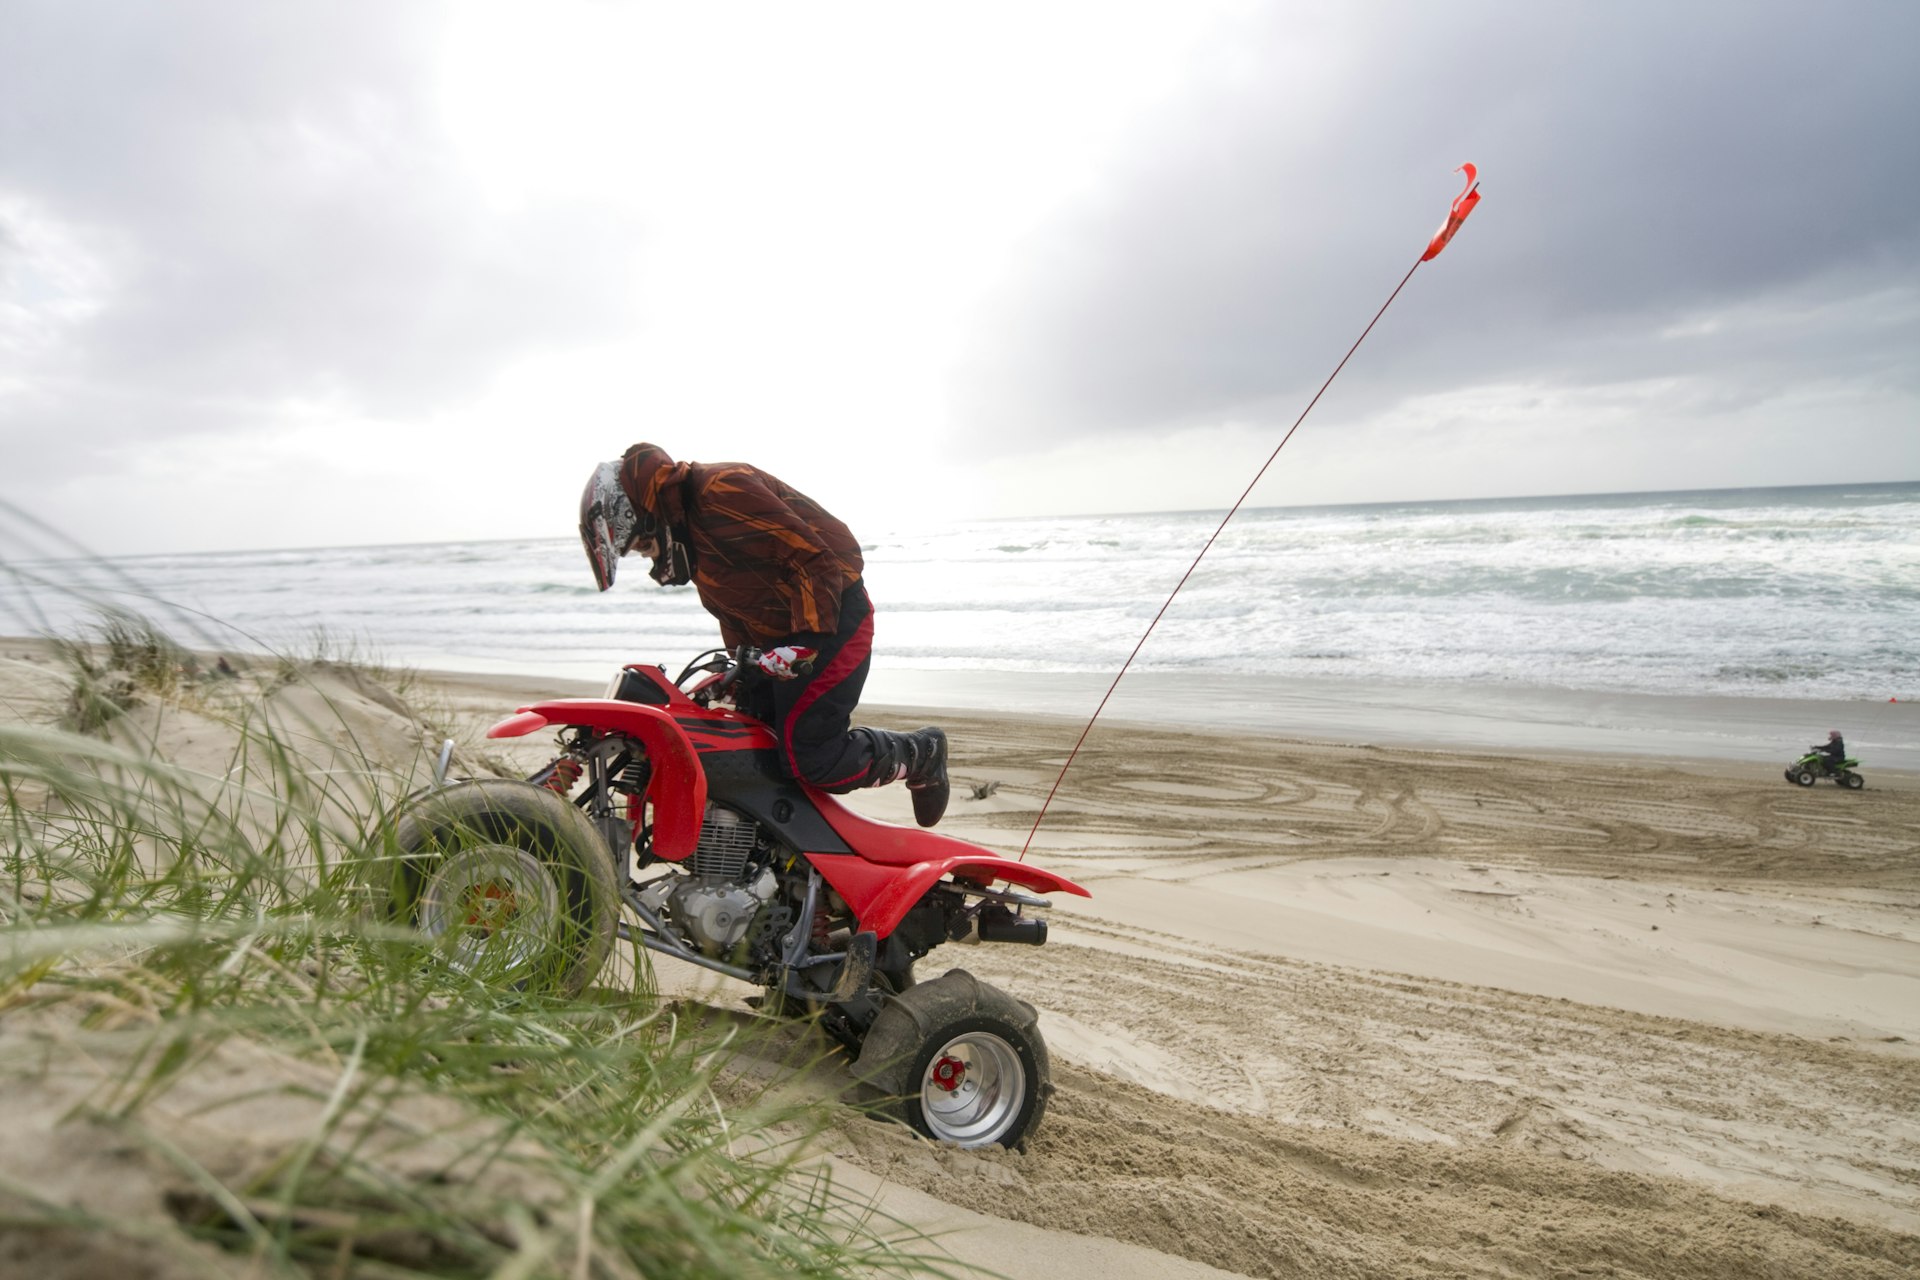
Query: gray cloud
{"x": 212, "y": 212}
{"x": 271, "y": 213}
{"x": 1642, "y": 164}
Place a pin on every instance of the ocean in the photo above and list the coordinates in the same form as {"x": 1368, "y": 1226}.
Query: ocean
{"x": 1780, "y": 593}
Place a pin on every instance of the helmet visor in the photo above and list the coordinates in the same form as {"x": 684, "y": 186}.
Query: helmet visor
{"x": 609, "y": 526}
{"x": 603, "y": 557}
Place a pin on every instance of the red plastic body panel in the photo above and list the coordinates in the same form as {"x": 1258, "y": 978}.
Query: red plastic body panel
{"x": 895, "y": 866}
{"x": 709, "y": 728}
{"x": 725, "y": 731}
{"x": 679, "y": 786}
{"x": 891, "y": 868}
{"x": 518, "y": 725}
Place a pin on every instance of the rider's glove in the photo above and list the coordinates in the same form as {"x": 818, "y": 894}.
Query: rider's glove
{"x": 787, "y": 661}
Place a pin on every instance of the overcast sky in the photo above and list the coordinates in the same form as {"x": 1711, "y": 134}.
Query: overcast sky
{"x": 299, "y": 274}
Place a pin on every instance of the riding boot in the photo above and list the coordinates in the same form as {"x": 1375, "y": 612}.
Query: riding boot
{"x": 920, "y": 758}
{"x": 927, "y": 775}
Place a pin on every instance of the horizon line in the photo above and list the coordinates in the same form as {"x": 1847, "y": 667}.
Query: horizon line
{"x": 1083, "y": 515}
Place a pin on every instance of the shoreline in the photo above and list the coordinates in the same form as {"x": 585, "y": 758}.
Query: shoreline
{"x": 1479, "y": 719}
{"x": 1750, "y": 737}
{"x": 1505, "y": 720}
{"x": 1484, "y": 718}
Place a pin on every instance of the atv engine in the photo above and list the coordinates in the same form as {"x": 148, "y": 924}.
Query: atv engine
{"x": 717, "y": 913}
{"x": 727, "y": 886}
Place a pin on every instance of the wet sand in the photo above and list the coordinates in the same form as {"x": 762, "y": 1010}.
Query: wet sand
{"x": 1492, "y": 716}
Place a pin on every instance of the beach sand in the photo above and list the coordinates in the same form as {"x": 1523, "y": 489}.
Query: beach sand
{"x": 1387, "y": 1011}
{"x": 1372, "y": 1009}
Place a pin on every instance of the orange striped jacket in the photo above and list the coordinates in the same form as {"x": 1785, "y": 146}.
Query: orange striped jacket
{"x": 768, "y": 561}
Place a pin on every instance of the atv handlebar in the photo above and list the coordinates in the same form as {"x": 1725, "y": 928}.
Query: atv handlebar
{"x": 729, "y": 665}
{"x": 741, "y": 658}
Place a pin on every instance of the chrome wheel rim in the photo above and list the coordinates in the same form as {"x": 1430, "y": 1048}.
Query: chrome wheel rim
{"x": 498, "y": 906}
{"x": 973, "y": 1089}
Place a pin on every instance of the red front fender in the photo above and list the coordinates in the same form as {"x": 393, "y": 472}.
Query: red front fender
{"x": 678, "y": 788}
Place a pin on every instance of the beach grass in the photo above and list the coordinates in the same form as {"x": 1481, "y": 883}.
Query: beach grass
{"x": 202, "y": 1002}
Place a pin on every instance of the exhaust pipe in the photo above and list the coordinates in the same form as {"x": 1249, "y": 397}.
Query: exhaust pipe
{"x": 997, "y": 924}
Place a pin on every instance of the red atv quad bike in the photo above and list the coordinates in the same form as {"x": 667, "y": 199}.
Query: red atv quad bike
{"x": 666, "y": 818}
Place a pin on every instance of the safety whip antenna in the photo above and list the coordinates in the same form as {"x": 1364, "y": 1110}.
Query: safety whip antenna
{"x": 1456, "y": 214}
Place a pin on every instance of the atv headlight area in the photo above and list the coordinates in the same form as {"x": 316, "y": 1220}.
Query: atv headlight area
{"x": 629, "y": 685}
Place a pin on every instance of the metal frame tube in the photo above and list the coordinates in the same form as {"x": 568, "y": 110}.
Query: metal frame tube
{"x": 653, "y": 935}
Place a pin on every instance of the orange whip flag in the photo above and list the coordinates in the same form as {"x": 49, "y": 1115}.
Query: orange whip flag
{"x": 1462, "y": 206}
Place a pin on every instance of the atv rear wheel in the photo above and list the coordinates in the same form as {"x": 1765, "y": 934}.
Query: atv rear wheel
{"x": 510, "y": 881}
{"x": 1804, "y": 777}
{"x": 962, "y": 1061}
{"x": 1852, "y": 781}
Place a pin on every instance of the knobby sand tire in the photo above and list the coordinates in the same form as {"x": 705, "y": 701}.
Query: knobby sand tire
{"x": 914, "y": 1025}
{"x": 527, "y": 826}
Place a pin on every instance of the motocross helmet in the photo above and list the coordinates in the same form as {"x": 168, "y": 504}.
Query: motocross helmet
{"x": 609, "y": 523}
{"x": 1833, "y": 735}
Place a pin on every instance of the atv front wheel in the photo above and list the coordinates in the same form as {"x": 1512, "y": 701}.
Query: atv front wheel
{"x": 1804, "y": 777}
{"x": 510, "y": 880}
{"x": 963, "y": 1062}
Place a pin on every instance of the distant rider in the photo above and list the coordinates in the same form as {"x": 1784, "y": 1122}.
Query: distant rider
{"x": 1835, "y": 751}
{"x": 778, "y": 573}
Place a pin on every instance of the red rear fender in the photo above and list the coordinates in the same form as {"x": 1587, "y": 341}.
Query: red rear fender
{"x": 893, "y": 865}
{"x": 886, "y": 843}
{"x": 678, "y": 788}
{"x": 881, "y": 895}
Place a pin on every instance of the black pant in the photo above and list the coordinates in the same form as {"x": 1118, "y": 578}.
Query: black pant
{"x": 812, "y": 715}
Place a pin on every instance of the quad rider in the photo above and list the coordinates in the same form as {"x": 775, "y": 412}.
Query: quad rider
{"x": 1835, "y": 751}
{"x": 780, "y": 574}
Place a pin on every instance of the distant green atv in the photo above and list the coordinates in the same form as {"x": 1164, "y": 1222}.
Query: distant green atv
{"x": 1814, "y": 765}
